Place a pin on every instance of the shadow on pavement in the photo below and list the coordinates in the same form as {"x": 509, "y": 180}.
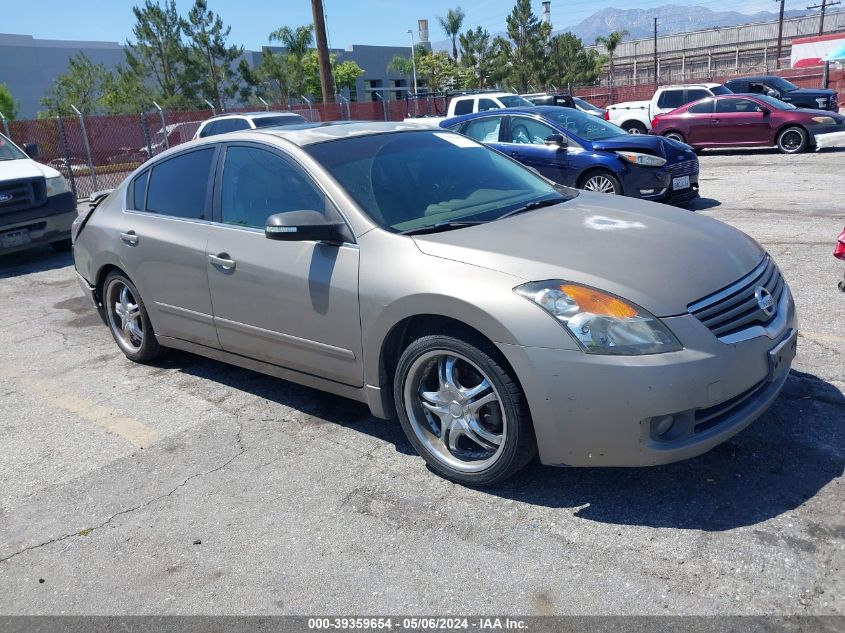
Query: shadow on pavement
{"x": 700, "y": 204}
{"x": 34, "y": 260}
{"x": 775, "y": 465}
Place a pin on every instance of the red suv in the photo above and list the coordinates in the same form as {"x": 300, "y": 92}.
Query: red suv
{"x": 751, "y": 121}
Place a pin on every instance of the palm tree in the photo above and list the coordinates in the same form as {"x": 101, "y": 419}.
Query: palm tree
{"x": 610, "y": 43}
{"x": 297, "y": 42}
{"x": 452, "y": 24}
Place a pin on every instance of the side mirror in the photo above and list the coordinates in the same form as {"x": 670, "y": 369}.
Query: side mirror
{"x": 773, "y": 93}
{"x": 764, "y": 110}
{"x": 557, "y": 140}
{"x": 31, "y": 150}
{"x": 304, "y": 226}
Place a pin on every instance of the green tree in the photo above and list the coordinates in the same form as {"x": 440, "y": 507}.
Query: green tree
{"x": 210, "y": 57}
{"x": 522, "y": 58}
{"x": 158, "y": 57}
{"x": 570, "y": 63}
{"x": 123, "y": 92}
{"x": 476, "y": 57}
{"x": 451, "y": 25}
{"x": 298, "y": 43}
{"x": 345, "y": 74}
{"x": 439, "y": 71}
{"x": 8, "y": 105}
{"x": 610, "y": 43}
{"x": 81, "y": 85}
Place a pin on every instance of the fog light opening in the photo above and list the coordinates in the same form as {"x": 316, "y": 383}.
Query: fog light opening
{"x": 663, "y": 424}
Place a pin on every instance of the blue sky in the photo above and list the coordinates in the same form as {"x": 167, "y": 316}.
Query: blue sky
{"x": 382, "y": 22}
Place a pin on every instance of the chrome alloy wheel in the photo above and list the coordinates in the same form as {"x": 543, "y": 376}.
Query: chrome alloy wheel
{"x": 601, "y": 184}
{"x": 124, "y": 316}
{"x": 455, "y": 411}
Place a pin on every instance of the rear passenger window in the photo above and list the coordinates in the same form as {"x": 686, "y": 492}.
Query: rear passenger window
{"x": 484, "y": 130}
{"x": 705, "y": 107}
{"x": 463, "y": 106}
{"x": 178, "y": 186}
{"x": 139, "y": 188}
{"x": 696, "y": 94}
{"x": 487, "y": 104}
{"x": 671, "y": 99}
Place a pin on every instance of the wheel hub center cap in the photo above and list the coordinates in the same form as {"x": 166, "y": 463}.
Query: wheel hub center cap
{"x": 456, "y": 410}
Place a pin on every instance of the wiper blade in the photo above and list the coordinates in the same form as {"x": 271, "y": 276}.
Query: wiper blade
{"x": 531, "y": 206}
{"x": 437, "y": 228}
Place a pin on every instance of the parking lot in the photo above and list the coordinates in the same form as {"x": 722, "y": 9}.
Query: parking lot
{"x": 190, "y": 486}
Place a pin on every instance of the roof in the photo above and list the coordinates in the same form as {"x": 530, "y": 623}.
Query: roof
{"x": 311, "y": 133}
{"x": 703, "y": 84}
{"x": 254, "y": 115}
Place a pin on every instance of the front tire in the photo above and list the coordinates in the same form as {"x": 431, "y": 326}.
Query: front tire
{"x": 463, "y": 411}
{"x": 128, "y": 320}
{"x": 602, "y": 182}
{"x": 792, "y": 140}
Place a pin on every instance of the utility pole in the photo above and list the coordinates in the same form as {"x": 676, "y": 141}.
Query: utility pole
{"x": 656, "y": 78}
{"x": 323, "y": 59}
{"x": 780, "y": 35}
{"x": 823, "y": 6}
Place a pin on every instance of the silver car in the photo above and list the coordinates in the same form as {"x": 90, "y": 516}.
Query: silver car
{"x": 496, "y": 314}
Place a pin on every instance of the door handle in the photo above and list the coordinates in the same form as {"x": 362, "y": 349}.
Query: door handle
{"x": 514, "y": 153}
{"x": 129, "y": 238}
{"x": 222, "y": 261}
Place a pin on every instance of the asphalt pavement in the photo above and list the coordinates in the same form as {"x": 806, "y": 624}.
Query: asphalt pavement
{"x": 192, "y": 487}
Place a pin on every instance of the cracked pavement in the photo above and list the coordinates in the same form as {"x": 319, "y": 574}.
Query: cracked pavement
{"x": 193, "y": 487}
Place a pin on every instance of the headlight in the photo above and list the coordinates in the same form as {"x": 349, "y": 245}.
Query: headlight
{"x": 57, "y": 185}
{"x": 825, "y": 120}
{"x": 601, "y": 323}
{"x": 645, "y": 160}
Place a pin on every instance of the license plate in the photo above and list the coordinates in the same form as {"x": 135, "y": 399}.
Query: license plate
{"x": 780, "y": 357}
{"x": 682, "y": 182}
{"x": 15, "y": 238}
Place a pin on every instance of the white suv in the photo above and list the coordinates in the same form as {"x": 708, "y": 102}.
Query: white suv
{"x": 223, "y": 123}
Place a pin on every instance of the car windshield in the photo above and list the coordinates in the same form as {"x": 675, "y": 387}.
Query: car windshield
{"x": 721, "y": 90}
{"x": 586, "y": 105}
{"x": 274, "y": 121}
{"x": 781, "y": 84}
{"x": 584, "y": 125}
{"x": 8, "y": 151}
{"x": 775, "y": 103}
{"x": 514, "y": 101}
{"x": 410, "y": 180}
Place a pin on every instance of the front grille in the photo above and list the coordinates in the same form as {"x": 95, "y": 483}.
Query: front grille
{"x": 684, "y": 168}
{"x": 25, "y": 194}
{"x": 736, "y": 307}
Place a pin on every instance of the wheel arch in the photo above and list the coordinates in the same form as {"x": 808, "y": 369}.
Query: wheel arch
{"x": 790, "y": 124}
{"x": 634, "y": 123}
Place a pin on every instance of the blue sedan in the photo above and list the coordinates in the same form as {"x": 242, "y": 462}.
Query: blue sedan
{"x": 578, "y": 150}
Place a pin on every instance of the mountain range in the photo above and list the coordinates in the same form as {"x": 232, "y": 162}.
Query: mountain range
{"x": 640, "y": 22}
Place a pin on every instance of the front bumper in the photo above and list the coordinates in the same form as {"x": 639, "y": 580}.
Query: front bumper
{"x": 593, "y": 410}
{"x": 655, "y": 183}
{"x": 50, "y": 222}
{"x": 830, "y": 139}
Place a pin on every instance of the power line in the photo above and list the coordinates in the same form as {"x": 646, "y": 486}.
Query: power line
{"x": 822, "y": 6}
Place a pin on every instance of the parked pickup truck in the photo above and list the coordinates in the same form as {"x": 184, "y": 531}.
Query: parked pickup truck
{"x": 635, "y": 116}
{"x": 36, "y": 206}
{"x": 780, "y": 88}
{"x": 480, "y": 102}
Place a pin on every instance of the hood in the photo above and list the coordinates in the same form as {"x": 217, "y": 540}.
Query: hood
{"x": 659, "y": 257}
{"x": 813, "y": 112}
{"x": 812, "y": 92}
{"x": 638, "y": 142}
{"x": 25, "y": 168}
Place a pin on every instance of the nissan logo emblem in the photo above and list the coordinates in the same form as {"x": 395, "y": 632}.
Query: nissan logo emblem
{"x": 765, "y": 300}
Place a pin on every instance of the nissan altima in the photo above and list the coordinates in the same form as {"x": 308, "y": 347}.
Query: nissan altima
{"x": 496, "y": 314}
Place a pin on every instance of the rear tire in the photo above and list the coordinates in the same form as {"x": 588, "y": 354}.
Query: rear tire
{"x": 676, "y": 136}
{"x": 634, "y": 127}
{"x": 792, "y": 140}
{"x": 128, "y": 320}
{"x": 463, "y": 412}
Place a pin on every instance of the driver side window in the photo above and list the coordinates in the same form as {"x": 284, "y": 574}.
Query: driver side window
{"x": 525, "y": 131}
{"x": 257, "y": 184}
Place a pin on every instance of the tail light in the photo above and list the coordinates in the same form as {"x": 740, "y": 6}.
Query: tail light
{"x": 607, "y": 115}
{"x": 654, "y": 121}
{"x": 839, "y": 251}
